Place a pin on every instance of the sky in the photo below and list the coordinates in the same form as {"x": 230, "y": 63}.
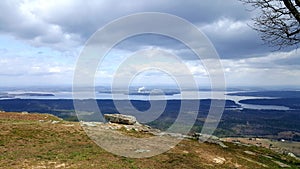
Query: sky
{"x": 41, "y": 41}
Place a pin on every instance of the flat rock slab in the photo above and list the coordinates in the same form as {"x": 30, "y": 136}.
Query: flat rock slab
{"x": 120, "y": 119}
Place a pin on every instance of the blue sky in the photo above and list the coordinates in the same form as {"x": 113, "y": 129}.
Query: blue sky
{"x": 40, "y": 42}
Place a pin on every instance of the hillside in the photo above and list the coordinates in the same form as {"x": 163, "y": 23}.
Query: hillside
{"x": 235, "y": 121}
{"x": 45, "y": 141}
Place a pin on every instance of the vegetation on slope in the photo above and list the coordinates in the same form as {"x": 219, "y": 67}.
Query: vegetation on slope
{"x": 44, "y": 141}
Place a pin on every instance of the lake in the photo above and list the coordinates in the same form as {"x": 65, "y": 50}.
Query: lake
{"x": 124, "y": 96}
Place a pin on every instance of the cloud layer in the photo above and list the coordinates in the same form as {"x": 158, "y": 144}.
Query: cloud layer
{"x": 40, "y": 40}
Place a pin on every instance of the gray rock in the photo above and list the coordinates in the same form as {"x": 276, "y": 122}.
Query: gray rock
{"x": 142, "y": 151}
{"x": 222, "y": 145}
{"x": 219, "y": 160}
{"x": 120, "y": 119}
{"x": 209, "y": 139}
{"x": 282, "y": 165}
{"x": 250, "y": 152}
{"x": 55, "y": 122}
{"x": 291, "y": 155}
{"x": 89, "y": 124}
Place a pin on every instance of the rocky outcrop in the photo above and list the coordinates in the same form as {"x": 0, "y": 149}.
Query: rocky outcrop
{"x": 129, "y": 123}
{"x": 120, "y": 119}
{"x": 209, "y": 139}
{"x": 119, "y": 122}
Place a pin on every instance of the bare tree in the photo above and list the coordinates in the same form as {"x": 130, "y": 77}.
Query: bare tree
{"x": 278, "y": 21}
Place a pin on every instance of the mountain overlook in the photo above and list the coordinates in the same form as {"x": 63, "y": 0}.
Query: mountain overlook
{"x": 45, "y": 141}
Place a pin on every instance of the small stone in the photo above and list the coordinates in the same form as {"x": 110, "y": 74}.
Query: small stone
{"x": 222, "y": 145}
{"x": 54, "y": 122}
{"x": 292, "y": 155}
{"x": 250, "y": 152}
{"x": 63, "y": 165}
{"x": 281, "y": 164}
{"x": 69, "y": 125}
{"x": 88, "y": 124}
{"x": 142, "y": 151}
{"x": 219, "y": 160}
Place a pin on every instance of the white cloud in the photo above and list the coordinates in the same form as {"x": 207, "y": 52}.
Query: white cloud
{"x": 68, "y": 23}
{"x": 64, "y": 26}
{"x": 18, "y": 19}
{"x": 54, "y": 70}
{"x": 272, "y": 69}
{"x": 225, "y": 27}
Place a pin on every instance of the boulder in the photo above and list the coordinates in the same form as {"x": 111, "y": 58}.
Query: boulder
{"x": 120, "y": 119}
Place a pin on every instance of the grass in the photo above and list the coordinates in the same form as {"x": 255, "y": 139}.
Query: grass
{"x": 29, "y": 143}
